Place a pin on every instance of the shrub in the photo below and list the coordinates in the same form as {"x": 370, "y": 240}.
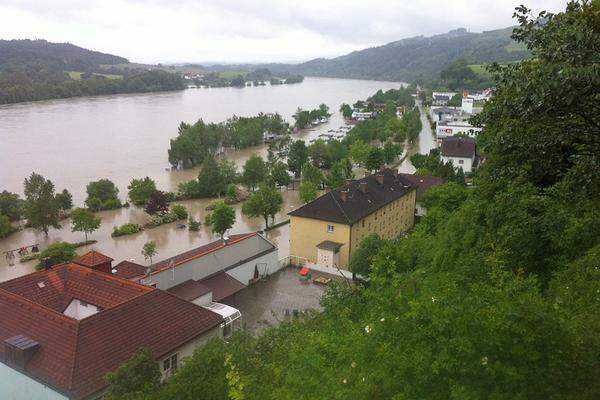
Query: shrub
{"x": 208, "y": 219}
{"x": 126, "y": 229}
{"x": 5, "y": 227}
{"x": 111, "y": 204}
{"x": 193, "y": 225}
{"x": 179, "y": 211}
{"x": 94, "y": 204}
{"x": 57, "y": 253}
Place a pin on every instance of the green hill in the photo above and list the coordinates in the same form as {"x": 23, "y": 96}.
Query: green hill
{"x": 39, "y": 70}
{"x": 417, "y": 59}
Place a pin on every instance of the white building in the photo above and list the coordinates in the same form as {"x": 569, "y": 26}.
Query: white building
{"x": 209, "y": 273}
{"x": 453, "y": 128}
{"x": 442, "y": 98}
{"x": 460, "y": 151}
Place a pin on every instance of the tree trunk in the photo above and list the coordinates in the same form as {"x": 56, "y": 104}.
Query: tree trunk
{"x": 266, "y": 217}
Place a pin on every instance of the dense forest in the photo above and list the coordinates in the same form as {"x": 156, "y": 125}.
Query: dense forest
{"x": 38, "y": 70}
{"x": 494, "y": 295}
{"x": 416, "y": 60}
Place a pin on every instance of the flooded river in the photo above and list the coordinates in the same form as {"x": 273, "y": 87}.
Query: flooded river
{"x": 75, "y": 141}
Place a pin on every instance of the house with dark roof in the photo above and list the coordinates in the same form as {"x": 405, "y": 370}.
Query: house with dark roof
{"x": 326, "y": 231}
{"x": 423, "y": 183}
{"x": 64, "y": 329}
{"x": 460, "y": 151}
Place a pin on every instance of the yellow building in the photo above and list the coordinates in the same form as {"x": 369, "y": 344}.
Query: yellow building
{"x": 327, "y": 230}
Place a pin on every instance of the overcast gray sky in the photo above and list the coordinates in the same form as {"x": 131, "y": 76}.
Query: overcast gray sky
{"x": 152, "y": 31}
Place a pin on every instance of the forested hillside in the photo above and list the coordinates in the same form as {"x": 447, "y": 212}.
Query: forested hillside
{"x": 415, "y": 60}
{"x": 494, "y": 295}
{"x": 55, "y": 56}
{"x": 39, "y": 70}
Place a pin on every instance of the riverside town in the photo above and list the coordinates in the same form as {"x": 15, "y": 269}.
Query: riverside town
{"x": 275, "y": 201}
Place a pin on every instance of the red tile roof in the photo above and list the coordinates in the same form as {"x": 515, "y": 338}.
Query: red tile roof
{"x": 198, "y": 252}
{"x": 65, "y": 282}
{"x": 128, "y": 269}
{"x": 75, "y": 355}
{"x": 92, "y": 258}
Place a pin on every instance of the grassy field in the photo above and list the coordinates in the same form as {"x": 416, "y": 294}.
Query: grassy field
{"x": 76, "y": 75}
{"x": 480, "y": 70}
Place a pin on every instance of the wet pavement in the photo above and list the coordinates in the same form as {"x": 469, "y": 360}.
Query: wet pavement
{"x": 272, "y": 301}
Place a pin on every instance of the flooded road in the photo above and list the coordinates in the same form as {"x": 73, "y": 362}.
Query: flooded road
{"x": 75, "y": 141}
{"x": 425, "y": 143}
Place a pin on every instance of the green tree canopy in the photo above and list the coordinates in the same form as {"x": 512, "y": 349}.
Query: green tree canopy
{"x": 362, "y": 257}
{"x": 137, "y": 379}
{"x": 140, "y": 190}
{"x": 149, "y": 250}
{"x": 359, "y": 152}
{"x": 56, "y": 253}
{"x": 41, "y": 207}
{"x": 11, "y": 205}
{"x": 265, "y": 202}
{"x": 64, "y": 200}
{"x": 222, "y": 218}
{"x": 254, "y": 172}
{"x": 102, "y": 194}
{"x": 83, "y": 220}
{"x": 375, "y": 159}
{"x": 312, "y": 174}
{"x": 5, "y": 226}
{"x": 308, "y": 191}
{"x": 298, "y": 156}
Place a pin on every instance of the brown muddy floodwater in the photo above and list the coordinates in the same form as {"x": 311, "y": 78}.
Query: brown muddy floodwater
{"x": 75, "y": 141}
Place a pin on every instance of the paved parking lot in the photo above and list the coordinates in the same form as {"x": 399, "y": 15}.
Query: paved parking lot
{"x": 265, "y": 303}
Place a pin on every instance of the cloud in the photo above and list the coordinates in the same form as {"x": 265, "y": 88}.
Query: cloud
{"x": 244, "y": 30}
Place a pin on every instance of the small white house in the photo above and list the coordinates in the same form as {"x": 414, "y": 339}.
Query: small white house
{"x": 460, "y": 151}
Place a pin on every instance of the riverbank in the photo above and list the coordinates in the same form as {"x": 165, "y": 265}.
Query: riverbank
{"x": 118, "y": 148}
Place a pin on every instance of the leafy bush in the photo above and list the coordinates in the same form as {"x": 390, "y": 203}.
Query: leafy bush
{"x": 126, "y": 229}
{"x": 111, "y": 204}
{"x": 193, "y": 225}
{"x": 5, "y": 227}
{"x": 179, "y": 211}
{"x": 94, "y": 204}
{"x": 56, "y": 253}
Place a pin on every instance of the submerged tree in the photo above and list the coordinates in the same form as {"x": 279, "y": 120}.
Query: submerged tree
{"x": 41, "y": 207}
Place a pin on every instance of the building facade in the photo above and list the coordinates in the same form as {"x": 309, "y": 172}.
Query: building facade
{"x": 327, "y": 230}
{"x": 460, "y": 151}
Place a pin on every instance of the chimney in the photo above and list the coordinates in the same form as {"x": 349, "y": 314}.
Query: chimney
{"x": 348, "y": 182}
{"x": 379, "y": 178}
{"x": 19, "y": 350}
{"x": 344, "y": 195}
{"x": 363, "y": 186}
